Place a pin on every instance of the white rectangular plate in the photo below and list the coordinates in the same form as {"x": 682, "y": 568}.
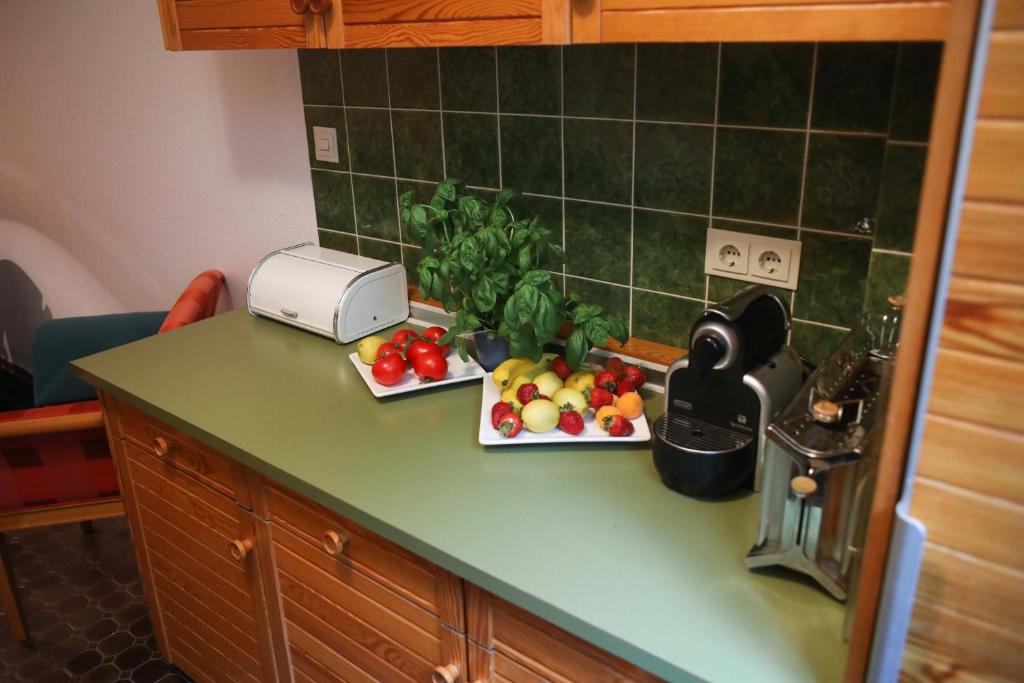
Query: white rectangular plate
{"x": 591, "y": 433}
{"x": 458, "y": 371}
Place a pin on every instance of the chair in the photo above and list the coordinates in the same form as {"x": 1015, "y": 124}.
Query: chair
{"x": 55, "y": 462}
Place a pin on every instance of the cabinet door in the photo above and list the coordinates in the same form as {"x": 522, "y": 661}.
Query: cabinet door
{"x": 203, "y": 572}
{"x": 441, "y": 23}
{"x": 239, "y": 25}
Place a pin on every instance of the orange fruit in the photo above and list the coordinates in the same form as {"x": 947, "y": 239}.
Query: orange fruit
{"x": 603, "y": 412}
{"x": 630, "y": 405}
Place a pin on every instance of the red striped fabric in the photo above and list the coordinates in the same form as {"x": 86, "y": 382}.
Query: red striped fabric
{"x": 198, "y": 301}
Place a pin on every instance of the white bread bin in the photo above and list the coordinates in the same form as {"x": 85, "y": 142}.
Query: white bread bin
{"x": 331, "y": 293}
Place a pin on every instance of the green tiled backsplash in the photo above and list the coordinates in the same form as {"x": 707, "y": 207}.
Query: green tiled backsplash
{"x": 631, "y": 152}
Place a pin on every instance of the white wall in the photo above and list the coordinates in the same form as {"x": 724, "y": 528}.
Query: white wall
{"x": 125, "y": 169}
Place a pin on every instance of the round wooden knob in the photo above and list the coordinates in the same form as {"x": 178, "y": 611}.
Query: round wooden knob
{"x": 803, "y": 486}
{"x": 161, "y": 446}
{"x": 897, "y": 301}
{"x": 333, "y": 542}
{"x": 448, "y": 673}
{"x": 299, "y": 6}
{"x": 320, "y": 6}
{"x": 825, "y": 412}
{"x": 239, "y": 549}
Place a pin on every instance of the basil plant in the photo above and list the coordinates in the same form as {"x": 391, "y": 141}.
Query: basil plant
{"x": 493, "y": 271}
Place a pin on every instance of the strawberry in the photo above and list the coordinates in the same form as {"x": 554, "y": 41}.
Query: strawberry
{"x": 625, "y": 386}
{"x": 615, "y": 366}
{"x": 635, "y": 375}
{"x": 606, "y": 380}
{"x": 510, "y": 425}
{"x": 527, "y": 393}
{"x": 561, "y": 367}
{"x": 498, "y": 411}
{"x": 616, "y": 425}
{"x": 601, "y": 397}
{"x": 570, "y": 422}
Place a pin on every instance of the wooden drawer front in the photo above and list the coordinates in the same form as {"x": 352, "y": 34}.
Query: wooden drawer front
{"x": 408, "y": 575}
{"x": 488, "y": 666}
{"x": 211, "y": 14}
{"x": 527, "y": 648}
{"x": 185, "y": 453}
{"x": 209, "y": 604}
{"x": 351, "y": 626}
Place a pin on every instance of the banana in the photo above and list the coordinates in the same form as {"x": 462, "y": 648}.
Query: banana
{"x": 529, "y": 368}
{"x": 502, "y": 373}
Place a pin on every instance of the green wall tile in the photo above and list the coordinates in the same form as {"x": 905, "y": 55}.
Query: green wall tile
{"x": 412, "y": 77}
{"x": 833, "y": 278}
{"x": 530, "y": 80}
{"x": 531, "y": 154}
{"x": 757, "y": 174}
{"x": 887, "y": 276}
{"x": 376, "y": 207}
{"x": 364, "y": 74}
{"x": 411, "y": 259}
{"x": 853, "y": 86}
{"x": 320, "y": 77}
{"x": 597, "y": 241}
{"x": 467, "y": 79}
{"x": 843, "y": 177}
{"x": 418, "y": 144}
{"x": 917, "y": 74}
{"x": 614, "y": 299}
{"x": 369, "y": 141}
{"x": 339, "y": 241}
{"x": 673, "y": 167}
{"x": 668, "y": 252}
{"x": 383, "y": 251}
{"x": 783, "y": 233}
{"x": 332, "y": 199}
{"x": 676, "y": 82}
{"x": 899, "y": 196}
{"x": 765, "y": 84}
{"x": 664, "y": 319}
{"x": 814, "y": 342}
{"x": 548, "y": 210}
{"x": 598, "y": 80}
{"x": 328, "y": 117}
{"x": 721, "y": 288}
{"x": 471, "y": 147}
{"x": 598, "y": 160}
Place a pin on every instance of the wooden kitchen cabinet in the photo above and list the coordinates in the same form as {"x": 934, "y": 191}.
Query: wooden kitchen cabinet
{"x": 510, "y": 645}
{"x": 243, "y": 24}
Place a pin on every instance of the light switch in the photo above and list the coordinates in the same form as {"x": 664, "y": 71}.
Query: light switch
{"x": 325, "y": 142}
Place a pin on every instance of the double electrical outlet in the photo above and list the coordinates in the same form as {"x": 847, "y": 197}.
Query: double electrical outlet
{"x": 752, "y": 258}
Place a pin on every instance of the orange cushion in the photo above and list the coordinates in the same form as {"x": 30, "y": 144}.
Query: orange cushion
{"x": 198, "y": 301}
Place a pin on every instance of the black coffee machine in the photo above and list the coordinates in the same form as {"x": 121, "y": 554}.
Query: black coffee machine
{"x": 720, "y": 398}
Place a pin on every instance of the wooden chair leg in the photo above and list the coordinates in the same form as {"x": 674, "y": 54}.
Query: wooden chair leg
{"x": 9, "y": 597}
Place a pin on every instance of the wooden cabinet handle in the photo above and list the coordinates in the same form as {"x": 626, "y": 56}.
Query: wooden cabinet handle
{"x": 320, "y": 6}
{"x": 161, "y": 446}
{"x": 299, "y": 6}
{"x": 448, "y": 673}
{"x": 333, "y": 542}
{"x": 239, "y": 549}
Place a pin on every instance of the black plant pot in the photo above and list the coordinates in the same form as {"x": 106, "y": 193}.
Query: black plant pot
{"x": 490, "y": 352}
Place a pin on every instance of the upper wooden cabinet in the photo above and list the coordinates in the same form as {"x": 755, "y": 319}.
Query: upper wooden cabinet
{"x": 244, "y": 24}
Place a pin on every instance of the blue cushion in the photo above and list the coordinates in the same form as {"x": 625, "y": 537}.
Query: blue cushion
{"x": 58, "y": 342}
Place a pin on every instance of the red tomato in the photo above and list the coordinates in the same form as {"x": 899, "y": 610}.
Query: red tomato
{"x": 430, "y": 367}
{"x": 389, "y": 369}
{"x": 433, "y": 334}
{"x": 420, "y": 347}
{"x": 404, "y": 337}
{"x": 386, "y": 348}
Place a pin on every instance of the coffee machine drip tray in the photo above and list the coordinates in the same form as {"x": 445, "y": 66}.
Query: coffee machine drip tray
{"x": 696, "y": 436}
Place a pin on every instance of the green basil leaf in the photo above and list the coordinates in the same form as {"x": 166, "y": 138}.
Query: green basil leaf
{"x": 576, "y": 348}
{"x": 617, "y": 329}
{"x": 526, "y": 298}
{"x": 525, "y": 258}
{"x": 448, "y": 189}
{"x": 596, "y": 330}
{"x": 483, "y": 295}
{"x": 463, "y": 352}
{"x": 585, "y": 312}
{"x": 536, "y": 277}
{"x": 545, "y": 320}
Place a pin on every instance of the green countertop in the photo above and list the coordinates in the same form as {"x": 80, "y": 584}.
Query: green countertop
{"x": 585, "y": 536}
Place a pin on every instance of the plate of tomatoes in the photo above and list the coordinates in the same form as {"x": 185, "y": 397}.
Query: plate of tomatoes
{"x": 410, "y": 361}
{"x": 546, "y": 402}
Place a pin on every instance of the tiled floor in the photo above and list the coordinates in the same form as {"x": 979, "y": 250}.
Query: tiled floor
{"x": 83, "y": 602}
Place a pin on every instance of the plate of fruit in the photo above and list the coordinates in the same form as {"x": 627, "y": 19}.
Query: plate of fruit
{"x": 545, "y": 402}
{"x": 410, "y": 361}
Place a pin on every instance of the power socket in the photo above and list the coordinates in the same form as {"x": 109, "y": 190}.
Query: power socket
{"x": 752, "y": 258}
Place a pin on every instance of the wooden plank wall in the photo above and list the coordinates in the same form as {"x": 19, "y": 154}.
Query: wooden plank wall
{"x": 968, "y": 621}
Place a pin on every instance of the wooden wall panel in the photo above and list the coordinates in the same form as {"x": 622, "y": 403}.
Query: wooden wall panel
{"x": 968, "y": 621}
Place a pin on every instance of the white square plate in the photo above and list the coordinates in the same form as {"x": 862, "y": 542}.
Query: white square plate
{"x": 458, "y": 371}
{"x": 591, "y": 433}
